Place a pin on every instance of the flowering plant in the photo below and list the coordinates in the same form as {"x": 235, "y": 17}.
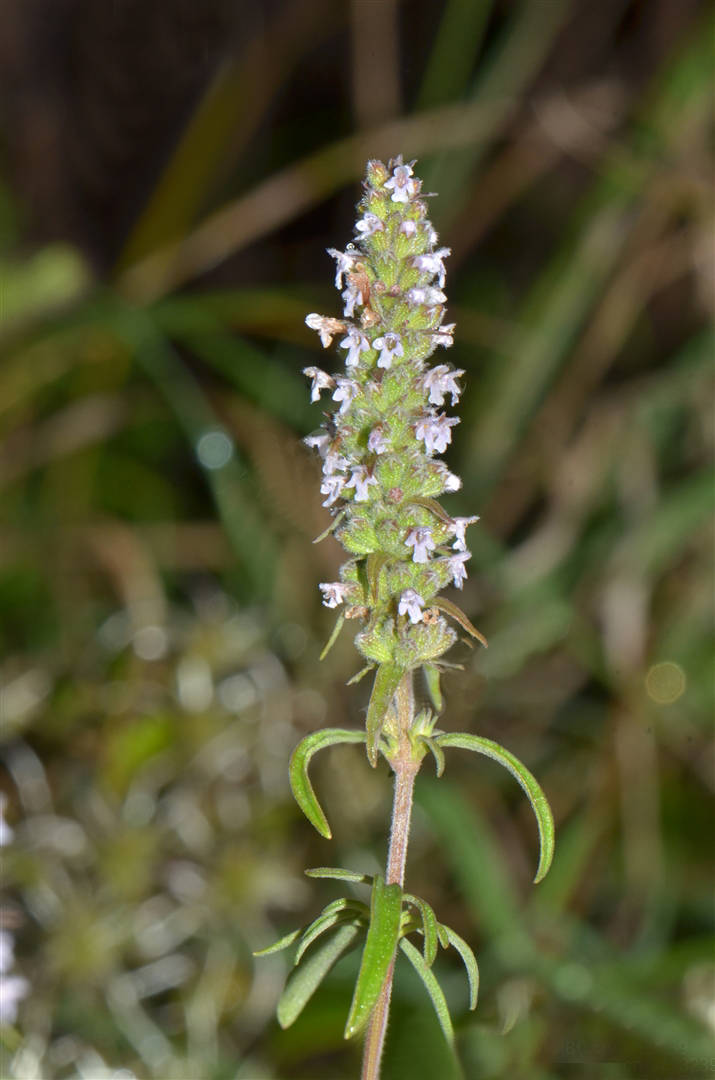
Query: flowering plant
{"x": 382, "y": 481}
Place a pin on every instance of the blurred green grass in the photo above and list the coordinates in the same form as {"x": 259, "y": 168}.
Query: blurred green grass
{"x": 161, "y": 623}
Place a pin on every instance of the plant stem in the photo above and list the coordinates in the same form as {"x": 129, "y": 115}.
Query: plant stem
{"x": 405, "y": 769}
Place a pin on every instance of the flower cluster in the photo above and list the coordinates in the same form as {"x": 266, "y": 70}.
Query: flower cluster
{"x": 379, "y": 446}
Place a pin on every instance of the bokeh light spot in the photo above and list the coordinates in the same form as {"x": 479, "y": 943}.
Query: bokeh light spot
{"x": 214, "y": 449}
{"x": 665, "y": 682}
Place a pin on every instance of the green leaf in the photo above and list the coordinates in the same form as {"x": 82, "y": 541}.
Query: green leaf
{"x": 341, "y": 911}
{"x": 387, "y": 680}
{"x": 432, "y": 986}
{"x": 331, "y": 527}
{"x": 436, "y": 751}
{"x": 432, "y": 678}
{"x": 333, "y": 636}
{"x": 359, "y": 675}
{"x": 456, "y": 612}
{"x": 429, "y": 926}
{"x": 338, "y": 874}
{"x": 282, "y": 943}
{"x": 382, "y": 937}
{"x": 470, "y": 961}
{"x": 539, "y": 802}
{"x": 305, "y": 980}
{"x": 298, "y": 772}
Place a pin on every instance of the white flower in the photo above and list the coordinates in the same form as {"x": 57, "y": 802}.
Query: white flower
{"x": 435, "y": 431}
{"x": 457, "y": 569}
{"x": 390, "y": 345}
{"x": 411, "y": 603}
{"x": 433, "y": 263}
{"x": 376, "y": 441}
{"x": 402, "y": 185}
{"x": 369, "y": 224}
{"x": 351, "y": 296}
{"x": 443, "y": 335}
{"x": 422, "y": 542}
{"x": 334, "y": 592}
{"x": 355, "y": 343}
{"x": 409, "y": 228}
{"x": 334, "y": 462}
{"x": 326, "y": 327}
{"x": 13, "y": 988}
{"x": 344, "y": 264}
{"x": 6, "y": 833}
{"x": 426, "y": 295}
{"x": 332, "y": 486}
{"x": 318, "y": 442}
{"x": 360, "y": 479}
{"x": 321, "y": 381}
{"x": 459, "y": 528}
{"x": 451, "y": 482}
{"x": 347, "y": 389}
{"x": 441, "y": 380}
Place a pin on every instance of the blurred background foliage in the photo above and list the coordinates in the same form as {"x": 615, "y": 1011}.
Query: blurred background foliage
{"x": 170, "y": 177}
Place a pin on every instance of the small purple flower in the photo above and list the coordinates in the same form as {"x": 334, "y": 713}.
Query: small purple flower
{"x": 360, "y": 479}
{"x": 443, "y": 335}
{"x": 435, "y": 431}
{"x": 334, "y": 462}
{"x": 422, "y": 542}
{"x": 433, "y": 263}
{"x": 346, "y": 391}
{"x": 368, "y": 224}
{"x": 411, "y": 603}
{"x": 459, "y": 528}
{"x": 355, "y": 343}
{"x": 457, "y": 568}
{"x": 376, "y": 441}
{"x": 402, "y": 185}
{"x": 351, "y": 296}
{"x": 344, "y": 264}
{"x": 390, "y": 345}
{"x": 332, "y": 486}
{"x": 441, "y": 380}
{"x": 409, "y": 228}
{"x": 334, "y": 592}
{"x": 321, "y": 381}
{"x": 426, "y": 295}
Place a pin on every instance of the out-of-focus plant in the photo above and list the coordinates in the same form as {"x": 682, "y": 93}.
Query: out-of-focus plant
{"x": 382, "y": 481}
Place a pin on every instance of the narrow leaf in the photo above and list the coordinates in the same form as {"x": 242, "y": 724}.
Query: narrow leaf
{"x": 331, "y": 527}
{"x": 432, "y": 678}
{"x": 382, "y": 937}
{"x": 539, "y": 802}
{"x": 387, "y": 680}
{"x": 333, "y": 637}
{"x": 429, "y": 926}
{"x": 349, "y": 911}
{"x": 339, "y": 874}
{"x": 282, "y": 943}
{"x": 373, "y": 565}
{"x": 360, "y": 675}
{"x": 432, "y": 986}
{"x": 298, "y": 772}
{"x": 305, "y": 980}
{"x": 433, "y": 506}
{"x": 456, "y": 612}
{"x": 470, "y": 962}
{"x": 436, "y": 751}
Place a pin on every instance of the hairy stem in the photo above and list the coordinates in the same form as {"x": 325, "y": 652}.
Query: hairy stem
{"x": 405, "y": 769}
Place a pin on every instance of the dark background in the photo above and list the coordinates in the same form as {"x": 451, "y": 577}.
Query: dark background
{"x": 170, "y": 176}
